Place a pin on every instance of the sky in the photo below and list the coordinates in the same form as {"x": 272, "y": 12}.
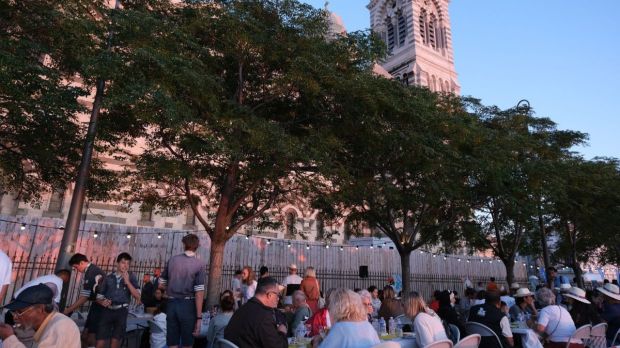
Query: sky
{"x": 563, "y": 56}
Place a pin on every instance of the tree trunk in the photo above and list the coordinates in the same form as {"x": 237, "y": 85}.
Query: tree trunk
{"x": 510, "y": 267}
{"x": 216, "y": 262}
{"x": 578, "y": 274}
{"x": 545, "y": 248}
{"x": 405, "y": 256}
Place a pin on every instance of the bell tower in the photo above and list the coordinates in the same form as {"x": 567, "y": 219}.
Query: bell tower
{"x": 419, "y": 40}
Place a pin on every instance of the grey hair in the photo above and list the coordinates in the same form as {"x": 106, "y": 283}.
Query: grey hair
{"x": 298, "y": 294}
{"x": 365, "y": 294}
{"x": 545, "y": 296}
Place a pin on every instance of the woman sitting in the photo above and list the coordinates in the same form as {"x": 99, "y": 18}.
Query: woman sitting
{"x": 427, "y": 325}
{"x": 391, "y": 306}
{"x": 581, "y": 310}
{"x": 554, "y": 322}
{"x": 447, "y": 312}
{"x": 218, "y": 324}
{"x": 351, "y": 328}
{"x": 524, "y": 307}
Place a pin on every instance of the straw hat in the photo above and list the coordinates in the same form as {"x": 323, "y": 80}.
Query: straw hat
{"x": 577, "y": 294}
{"x": 523, "y": 292}
{"x": 610, "y": 290}
{"x": 564, "y": 287}
{"x": 514, "y": 286}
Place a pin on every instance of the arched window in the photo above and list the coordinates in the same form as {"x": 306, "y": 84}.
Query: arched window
{"x": 402, "y": 29}
{"x": 422, "y": 23}
{"x": 434, "y": 88}
{"x": 289, "y": 223}
{"x": 432, "y": 39}
{"x": 391, "y": 39}
{"x": 56, "y": 201}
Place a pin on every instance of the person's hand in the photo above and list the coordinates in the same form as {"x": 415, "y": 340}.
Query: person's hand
{"x": 67, "y": 312}
{"x": 282, "y": 328}
{"x": 125, "y": 276}
{"x": 6, "y": 331}
{"x": 197, "y": 327}
{"x": 105, "y": 302}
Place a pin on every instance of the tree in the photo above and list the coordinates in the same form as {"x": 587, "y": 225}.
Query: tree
{"x": 586, "y": 211}
{"x": 400, "y": 169}
{"x": 508, "y": 177}
{"x": 232, "y": 106}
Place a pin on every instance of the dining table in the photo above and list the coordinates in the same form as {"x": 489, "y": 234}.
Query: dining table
{"x": 529, "y": 338}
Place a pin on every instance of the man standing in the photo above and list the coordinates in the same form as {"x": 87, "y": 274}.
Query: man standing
{"x": 255, "y": 324}
{"x": 34, "y": 308}
{"x": 263, "y": 272}
{"x": 156, "y": 277}
{"x": 93, "y": 276}
{"x": 6, "y": 267}
{"x": 115, "y": 295}
{"x": 184, "y": 277}
{"x": 291, "y": 279}
{"x": 236, "y": 288}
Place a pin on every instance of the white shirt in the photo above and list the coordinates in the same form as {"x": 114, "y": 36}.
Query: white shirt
{"x": 57, "y": 330}
{"x": 351, "y": 334}
{"x": 50, "y": 278}
{"x": 248, "y": 290}
{"x": 428, "y": 329}
{"x": 290, "y": 279}
{"x": 158, "y": 339}
{"x": 558, "y": 323}
{"x": 505, "y": 325}
{"x": 6, "y": 267}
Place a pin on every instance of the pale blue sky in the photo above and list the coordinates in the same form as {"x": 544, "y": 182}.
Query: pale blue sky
{"x": 561, "y": 55}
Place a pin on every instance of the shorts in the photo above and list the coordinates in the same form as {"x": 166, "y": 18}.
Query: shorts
{"x": 112, "y": 324}
{"x": 180, "y": 322}
{"x": 94, "y": 315}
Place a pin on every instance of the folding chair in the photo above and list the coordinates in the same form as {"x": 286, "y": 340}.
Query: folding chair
{"x": 598, "y": 338}
{"x": 456, "y": 333}
{"x": 582, "y": 333}
{"x": 440, "y": 344}
{"x": 471, "y": 341}
{"x": 224, "y": 343}
{"x": 484, "y": 331}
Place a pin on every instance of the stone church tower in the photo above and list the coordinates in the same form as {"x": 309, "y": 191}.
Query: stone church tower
{"x": 419, "y": 41}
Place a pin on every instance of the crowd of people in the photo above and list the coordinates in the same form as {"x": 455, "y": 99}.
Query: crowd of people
{"x": 264, "y": 312}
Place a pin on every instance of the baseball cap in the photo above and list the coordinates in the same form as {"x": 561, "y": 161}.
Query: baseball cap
{"x": 38, "y": 294}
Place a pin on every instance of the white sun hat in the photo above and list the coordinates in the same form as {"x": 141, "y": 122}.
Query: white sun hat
{"x": 610, "y": 290}
{"x": 522, "y": 292}
{"x": 577, "y": 294}
{"x": 514, "y": 286}
{"x": 292, "y": 266}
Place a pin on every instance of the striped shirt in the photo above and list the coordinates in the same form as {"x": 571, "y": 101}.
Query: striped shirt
{"x": 93, "y": 276}
{"x": 184, "y": 275}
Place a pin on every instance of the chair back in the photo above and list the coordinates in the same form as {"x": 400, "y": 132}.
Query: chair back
{"x": 471, "y": 341}
{"x": 224, "y": 343}
{"x": 155, "y": 328}
{"x": 440, "y": 344}
{"x": 482, "y": 330}
{"x": 455, "y": 332}
{"x": 582, "y": 333}
{"x": 616, "y": 336}
{"x": 387, "y": 345}
{"x": 598, "y": 338}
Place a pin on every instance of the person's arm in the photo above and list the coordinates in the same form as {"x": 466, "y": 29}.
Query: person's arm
{"x": 132, "y": 285}
{"x": 541, "y": 325}
{"x": 506, "y": 331}
{"x": 163, "y": 279}
{"x": 9, "y": 340}
{"x": 3, "y": 292}
{"x": 77, "y": 304}
{"x": 270, "y": 336}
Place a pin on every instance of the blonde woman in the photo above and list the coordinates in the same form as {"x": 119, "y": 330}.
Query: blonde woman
{"x": 426, "y": 323}
{"x": 350, "y": 328}
{"x": 310, "y": 286}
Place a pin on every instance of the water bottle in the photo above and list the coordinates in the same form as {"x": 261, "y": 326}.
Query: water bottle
{"x": 375, "y": 325}
{"x": 382, "y": 327}
{"x": 399, "y": 328}
{"x": 392, "y": 325}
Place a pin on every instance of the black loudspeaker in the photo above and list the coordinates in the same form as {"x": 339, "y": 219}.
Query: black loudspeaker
{"x": 363, "y": 271}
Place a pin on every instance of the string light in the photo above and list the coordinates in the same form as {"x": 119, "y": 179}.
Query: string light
{"x": 288, "y": 245}
{"x": 357, "y": 248}
{"x": 128, "y": 235}
{"x": 23, "y": 226}
{"x": 341, "y": 248}
{"x": 326, "y": 246}
{"x": 159, "y": 236}
{"x": 371, "y": 247}
{"x": 247, "y": 236}
{"x": 307, "y": 246}
{"x": 95, "y": 235}
{"x": 459, "y": 260}
{"x": 268, "y": 241}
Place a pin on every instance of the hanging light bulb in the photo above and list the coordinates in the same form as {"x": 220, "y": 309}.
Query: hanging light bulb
{"x": 341, "y": 248}
{"x": 467, "y": 260}
{"x": 159, "y": 236}
{"x": 421, "y": 251}
{"x": 268, "y": 241}
{"x": 434, "y": 255}
{"x": 95, "y": 235}
{"x": 247, "y": 236}
{"x": 288, "y": 245}
{"x": 128, "y": 235}
{"x": 371, "y": 246}
{"x": 459, "y": 260}
{"x": 357, "y": 247}
{"x": 307, "y": 246}
{"x": 23, "y": 226}
{"x": 445, "y": 258}
{"x": 326, "y": 246}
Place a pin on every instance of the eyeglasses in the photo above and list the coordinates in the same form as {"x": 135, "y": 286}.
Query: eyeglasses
{"x": 275, "y": 293}
{"x": 368, "y": 304}
{"x": 20, "y": 314}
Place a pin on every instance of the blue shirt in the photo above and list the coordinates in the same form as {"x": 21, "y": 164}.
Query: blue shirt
{"x": 183, "y": 276}
{"x": 115, "y": 289}
{"x": 351, "y": 334}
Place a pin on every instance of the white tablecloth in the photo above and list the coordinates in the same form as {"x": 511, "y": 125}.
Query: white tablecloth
{"x": 529, "y": 339}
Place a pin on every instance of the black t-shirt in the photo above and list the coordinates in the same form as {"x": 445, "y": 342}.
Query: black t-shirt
{"x": 93, "y": 276}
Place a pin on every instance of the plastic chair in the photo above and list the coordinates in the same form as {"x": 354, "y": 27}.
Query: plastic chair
{"x": 440, "y": 344}
{"x": 582, "y": 333}
{"x": 224, "y": 343}
{"x": 456, "y": 333}
{"x": 471, "y": 341}
{"x": 613, "y": 343}
{"x": 387, "y": 345}
{"x": 482, "y": 330}
{"x": 598, "y": 338}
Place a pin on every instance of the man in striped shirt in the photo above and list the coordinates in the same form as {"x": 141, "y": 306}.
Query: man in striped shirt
{"x": 184, "y": 279}
{"x": 93, "y": 276}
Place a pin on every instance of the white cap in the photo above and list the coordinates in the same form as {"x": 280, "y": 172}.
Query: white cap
{"x": 292, "y": 266}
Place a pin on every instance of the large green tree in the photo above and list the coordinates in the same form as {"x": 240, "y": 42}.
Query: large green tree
{"x": 234, "y": 99}
{"x": 400, "y": 171}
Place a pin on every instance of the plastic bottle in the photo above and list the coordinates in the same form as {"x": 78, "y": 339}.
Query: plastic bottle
{"x": 399, "y": 328}
{"x": 392, "y": 326}
{"x": 375, "y": 325}
{"x": 382, "y": 327}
